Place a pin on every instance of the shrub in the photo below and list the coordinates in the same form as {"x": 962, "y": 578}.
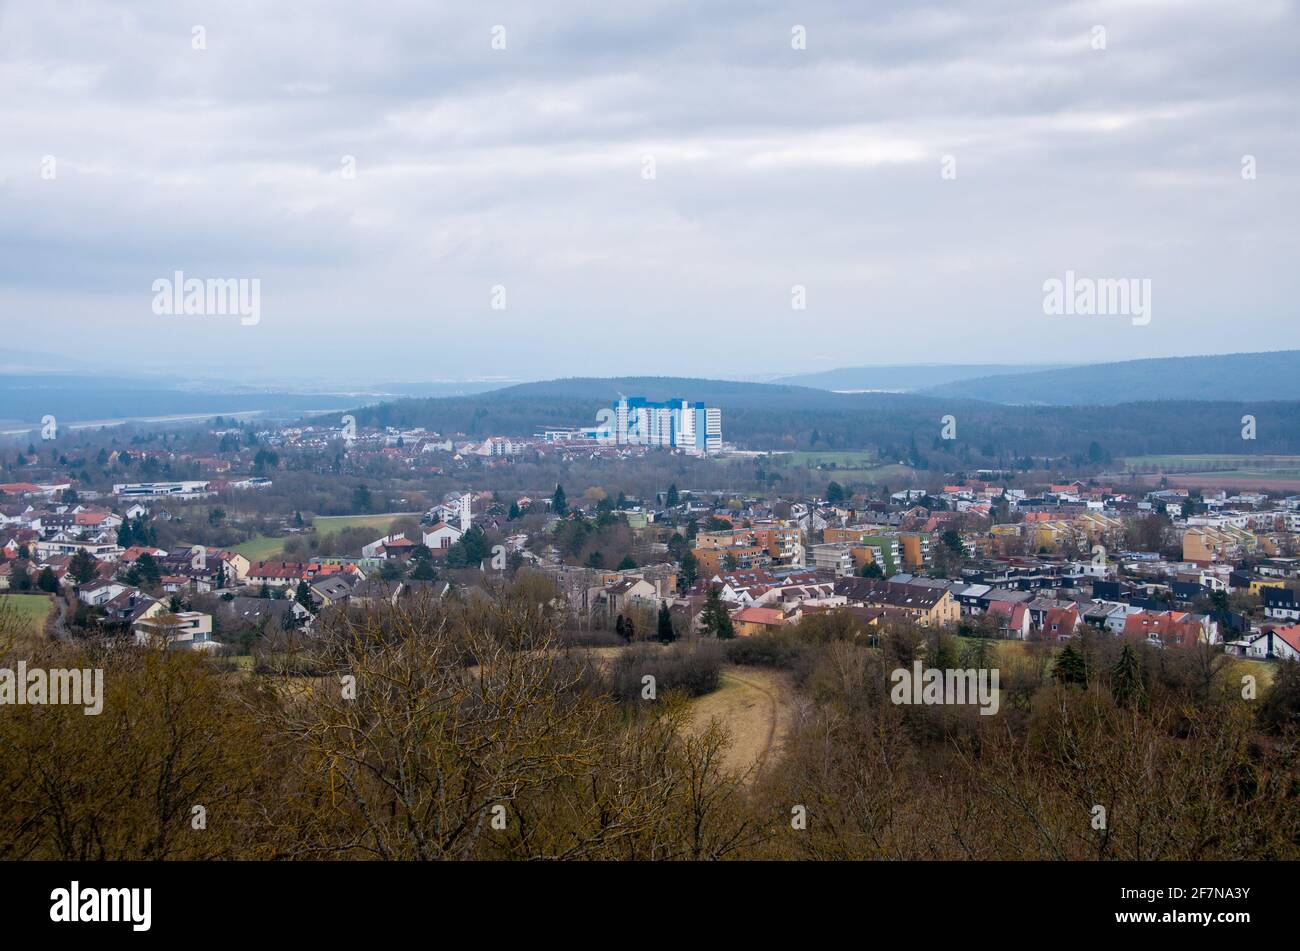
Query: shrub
{"x": 763, "y": 650}
{"x": 574, "y": 637}
{"x": 693, "y": 669}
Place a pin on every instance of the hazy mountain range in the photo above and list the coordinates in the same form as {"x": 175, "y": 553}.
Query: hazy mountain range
{"x": 33, "y": 385}
{"x": 1237, "y": 376}
{"x": 905, "y": 378}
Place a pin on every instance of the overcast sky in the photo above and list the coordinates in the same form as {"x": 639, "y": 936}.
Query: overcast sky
{"x": 526, "y": 168}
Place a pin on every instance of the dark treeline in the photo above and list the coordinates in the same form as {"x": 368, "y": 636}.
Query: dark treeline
{"x": 759, "y": 416}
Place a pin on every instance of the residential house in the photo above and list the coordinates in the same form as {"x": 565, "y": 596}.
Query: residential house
{"x": 927, "y": 606}
{"x": 182, "y": 630}
{"x": 1278, "y": 643}
{"x": 755, "y": 620}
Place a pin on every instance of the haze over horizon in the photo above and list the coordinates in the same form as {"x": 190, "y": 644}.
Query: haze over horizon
{"x": 234, "y": 378}
{"x": 525, "y": 168}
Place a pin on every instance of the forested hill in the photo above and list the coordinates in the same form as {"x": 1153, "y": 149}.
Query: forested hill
{"x": 906, "y": 378}
{"x": 765, "y": 416}
{"x": 1240, "y": 377}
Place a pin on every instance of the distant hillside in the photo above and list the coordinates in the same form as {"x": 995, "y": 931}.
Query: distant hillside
{"x": 26, "y": 398}
{"x": 728, "y": 393}
{"x": 1242, "y": 377}
{"x": 767, "y": 416}
{"x": 905, "y": 379}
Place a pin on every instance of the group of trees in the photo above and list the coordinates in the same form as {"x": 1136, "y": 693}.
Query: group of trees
{"x": 434, "y": 731}
{"x": 459, "y": 728}
{"x": 625, "y": 626}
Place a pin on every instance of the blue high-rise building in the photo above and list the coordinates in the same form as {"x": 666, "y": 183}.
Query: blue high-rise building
{"x": 675, "y": 423}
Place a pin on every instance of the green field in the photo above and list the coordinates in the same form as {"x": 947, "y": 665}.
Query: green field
{"x": 266, "y": 548}
{"x": 1262, "y": 670}
{"x": 1245, "y": 473}
{"x": 1237, "y": 462}
{"x": 900, "y": 476}
{"x": 330, "y": 524}
{"x": 260, "y": 548}
{"x": 847, "y": 460}
{"x": 31, "y": 609}
{"x": 863, "y": 466}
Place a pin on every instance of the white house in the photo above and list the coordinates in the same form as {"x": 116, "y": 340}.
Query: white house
{"x": 441, "y": 535}
{"x": 99, "y": 593}
{"x": 375, "y": 548}
{"x": 184, "y": 630}
{"x": 1281, "y": 643}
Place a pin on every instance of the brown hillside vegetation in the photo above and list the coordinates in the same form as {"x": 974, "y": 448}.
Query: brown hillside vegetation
{"x": 454, "y": 730}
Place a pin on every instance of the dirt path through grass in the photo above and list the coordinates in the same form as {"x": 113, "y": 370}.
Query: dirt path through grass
{"x": 755, "y": 707}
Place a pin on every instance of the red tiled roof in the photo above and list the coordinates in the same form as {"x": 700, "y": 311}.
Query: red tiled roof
{"x": 759, "y": 616}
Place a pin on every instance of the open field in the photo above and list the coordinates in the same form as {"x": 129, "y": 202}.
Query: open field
{"x": 1215, "y": 462}
{"x": 756, "y": 707}
{"x": 330, "y": 524}
{"x": 850, "y": 460}
{"x": 31, "y": 609}
{"x": 1262, "y": 670}
{"x": 858, "y": 465}
{"x": 260, "y": 548}
{"x": 1219, "y": 471}
{"x": 898, "y": 476}
{"x": 1241, "y": 480}
{"x": 265, "y": 548}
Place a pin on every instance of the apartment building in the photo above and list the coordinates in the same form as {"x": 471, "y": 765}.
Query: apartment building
{"x": 836, "y": 557}
{"x": 162, "y": 490}
{"x": 1205, "y": 544}
{"x": 926, "y": 605}
{"x": 916, "y": 550}
{"x": 675, "y": 423}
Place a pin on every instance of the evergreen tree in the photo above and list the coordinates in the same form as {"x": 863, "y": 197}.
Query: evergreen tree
{"x": 672, "y": 500}
{"x": 620, "y": 628}
{"x": 690, "y": 569}
{"x": 46, "y": 580}
{"x": 361, "y": 500}
{"x": 1126, "y": 677}
{"x": 1071, "y": 667}
{"x": 978, "y": 653}
{"x": 148, "y": 570}
{"x": 627, "y": 563}
{"x": 714, "y": 617}
{"x": 303, "y": 595}
{"x": 82, "y": 566}
{"x": 834, "y": 493}
{"x": 559, "y": 504}
{"x": 423, "y": 570}
{"x": 665, "y": 632}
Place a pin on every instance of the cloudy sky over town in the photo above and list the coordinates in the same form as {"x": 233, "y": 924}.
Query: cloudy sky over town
{"x": 641, "y": 185}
